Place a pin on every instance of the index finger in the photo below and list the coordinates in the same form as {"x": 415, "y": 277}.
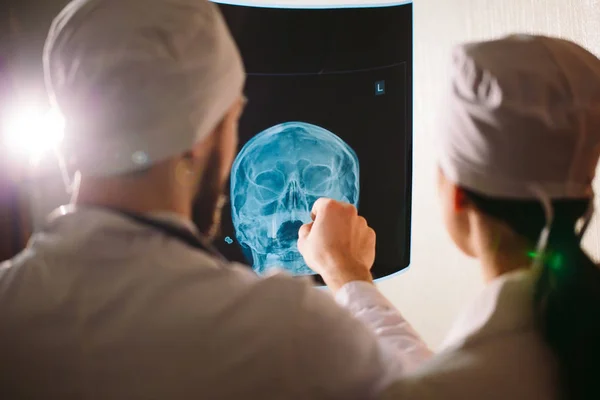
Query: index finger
{"x": 319, "y": 206}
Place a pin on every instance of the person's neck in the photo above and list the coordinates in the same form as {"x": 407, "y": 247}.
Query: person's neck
{"x": 498, "y": 264}
{"x": 500, "y": 251}
{"x": 141, "y": 197}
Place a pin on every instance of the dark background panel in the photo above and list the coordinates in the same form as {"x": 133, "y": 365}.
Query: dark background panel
{"x": 321, "y": 67}
{"x": 275, "y": 40}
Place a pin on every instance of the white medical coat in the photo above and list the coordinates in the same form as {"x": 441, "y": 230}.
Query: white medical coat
{"x": 493, "y": 352}
{"x": 101, "y": 307}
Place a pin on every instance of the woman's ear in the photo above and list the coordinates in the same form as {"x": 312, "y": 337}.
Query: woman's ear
{"x": 460, "y": 199}
{"x": 454, "y": 196}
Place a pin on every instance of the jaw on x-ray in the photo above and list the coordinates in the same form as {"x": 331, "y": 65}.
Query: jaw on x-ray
{"x": 276, "y": 178}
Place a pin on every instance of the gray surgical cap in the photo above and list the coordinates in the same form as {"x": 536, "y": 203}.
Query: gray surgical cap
{"x": 139, "y": 81}
{"x": 522, "y": 118}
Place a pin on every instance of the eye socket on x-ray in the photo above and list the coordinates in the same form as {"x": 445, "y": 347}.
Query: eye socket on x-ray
{"x": 314, "y": 179}
{"x": 317, "y": 178}
{"x": 270, "y": 184}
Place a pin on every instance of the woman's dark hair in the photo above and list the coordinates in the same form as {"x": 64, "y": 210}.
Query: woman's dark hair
{"x": 567, "y": 295}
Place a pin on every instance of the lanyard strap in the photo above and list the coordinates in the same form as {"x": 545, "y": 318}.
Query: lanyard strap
{"x": 181, "y": 234}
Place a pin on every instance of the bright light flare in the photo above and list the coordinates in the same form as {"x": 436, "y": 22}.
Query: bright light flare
{"x": 32, "y": 132}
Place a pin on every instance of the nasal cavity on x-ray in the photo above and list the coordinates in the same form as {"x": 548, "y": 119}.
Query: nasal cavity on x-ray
{"x": 275, "y": 180}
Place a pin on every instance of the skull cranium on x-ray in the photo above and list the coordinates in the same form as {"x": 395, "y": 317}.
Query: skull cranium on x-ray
{"x": 276, "y": 178}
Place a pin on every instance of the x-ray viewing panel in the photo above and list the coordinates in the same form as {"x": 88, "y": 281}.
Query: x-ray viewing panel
{"x": 328, "y": 115}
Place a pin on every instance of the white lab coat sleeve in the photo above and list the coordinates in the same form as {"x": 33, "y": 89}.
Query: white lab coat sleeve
{"x": 401, "y": 345}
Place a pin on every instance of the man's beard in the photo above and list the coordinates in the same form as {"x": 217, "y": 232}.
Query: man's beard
{"x": 210, "y": 199}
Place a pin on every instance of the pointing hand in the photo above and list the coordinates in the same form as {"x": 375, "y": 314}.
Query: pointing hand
{"x": 338, "y": 244}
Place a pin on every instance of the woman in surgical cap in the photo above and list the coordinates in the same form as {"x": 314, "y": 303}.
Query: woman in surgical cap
{"x": 519, "y": 142}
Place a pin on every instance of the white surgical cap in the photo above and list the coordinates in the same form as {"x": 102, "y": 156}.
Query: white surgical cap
{"x": 522, "y": 117}
{"x": 139, "y": 81}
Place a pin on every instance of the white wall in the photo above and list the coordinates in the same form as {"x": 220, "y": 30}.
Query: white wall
{"x": 441, "y": 281}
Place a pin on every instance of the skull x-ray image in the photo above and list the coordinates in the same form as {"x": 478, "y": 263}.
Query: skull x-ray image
{"x": 275, "y": 180}
{"x": 329, "y": 114}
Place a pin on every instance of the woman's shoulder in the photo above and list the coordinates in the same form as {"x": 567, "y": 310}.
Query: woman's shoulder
{"x": 493, "y": 351}
{"x": 512, "y": 366}
{"x": 505, "y": 305}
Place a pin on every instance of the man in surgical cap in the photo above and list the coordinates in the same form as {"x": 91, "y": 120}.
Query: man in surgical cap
{"x": 120, "y": 295}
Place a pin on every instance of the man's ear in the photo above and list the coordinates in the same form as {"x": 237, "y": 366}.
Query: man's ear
{"x": 460, "y": 199}
{"x": 201, "y": 150}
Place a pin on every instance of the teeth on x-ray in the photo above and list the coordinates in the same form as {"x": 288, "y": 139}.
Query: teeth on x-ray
{"x": 275, "y": 180}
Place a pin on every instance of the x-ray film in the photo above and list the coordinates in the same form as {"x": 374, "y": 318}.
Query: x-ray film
{"x": 328, "y": 115}
{"x": 275, "y": 180}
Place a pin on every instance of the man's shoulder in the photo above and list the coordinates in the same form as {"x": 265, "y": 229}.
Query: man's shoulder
{"x": 10, "y": 269}
{"x": 210, "y": 286}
